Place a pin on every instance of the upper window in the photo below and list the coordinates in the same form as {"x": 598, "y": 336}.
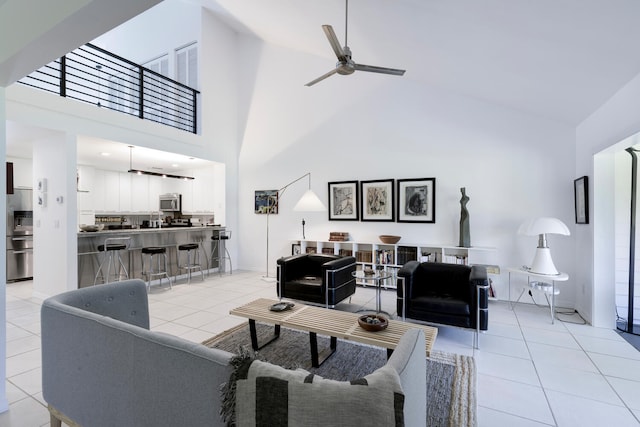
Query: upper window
{"x": 187, "y": 65}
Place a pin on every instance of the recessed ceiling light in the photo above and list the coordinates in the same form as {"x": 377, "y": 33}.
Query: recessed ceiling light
{"x": 105, "y": 154}
{"x": 175, "y": 165}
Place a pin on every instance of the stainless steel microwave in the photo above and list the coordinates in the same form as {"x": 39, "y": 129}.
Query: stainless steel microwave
{"x": 171, "y": 202}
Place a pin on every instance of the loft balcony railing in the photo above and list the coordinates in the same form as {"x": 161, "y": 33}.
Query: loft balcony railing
{"x": 96, "y": 76}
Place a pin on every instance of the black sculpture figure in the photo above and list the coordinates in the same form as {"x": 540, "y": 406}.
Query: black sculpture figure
{"x": 465, "y": 235}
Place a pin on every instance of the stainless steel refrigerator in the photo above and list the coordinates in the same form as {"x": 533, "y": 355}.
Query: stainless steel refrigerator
{"x": 20, "y": 235}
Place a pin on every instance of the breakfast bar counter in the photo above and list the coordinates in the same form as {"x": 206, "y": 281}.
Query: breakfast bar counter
{"x": 170, "y": 237}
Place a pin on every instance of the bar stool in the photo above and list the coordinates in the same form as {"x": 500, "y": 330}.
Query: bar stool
{"x": 155, "y": 271}
{"x": 220, "y": 246}
{"x": 111, "y": 248}
{"x": 189, "y": 247}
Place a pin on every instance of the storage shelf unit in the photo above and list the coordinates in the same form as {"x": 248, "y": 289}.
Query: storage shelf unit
{"x": 382, "y": 256}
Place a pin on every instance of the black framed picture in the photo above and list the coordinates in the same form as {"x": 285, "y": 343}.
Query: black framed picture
{"x": 581, "y": 199}
{"x": 417, "y": 200}
{"x": 266, "y": 201}
{"x": 296, "y": 249}
{"x": 343, "y": 201}
{"x": 376, "y": 200}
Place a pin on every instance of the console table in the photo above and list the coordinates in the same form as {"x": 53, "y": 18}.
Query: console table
{"x": 553, "y": 278}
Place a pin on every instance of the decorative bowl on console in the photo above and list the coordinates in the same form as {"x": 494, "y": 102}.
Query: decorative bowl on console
{"x": 389, "y": 239}
{"x": 373, "y": 322}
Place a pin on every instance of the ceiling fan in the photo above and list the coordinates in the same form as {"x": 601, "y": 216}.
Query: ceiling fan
{"x": 345, "y": 64}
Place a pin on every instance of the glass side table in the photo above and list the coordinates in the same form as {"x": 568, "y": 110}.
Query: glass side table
{"x": 376, "y": 279}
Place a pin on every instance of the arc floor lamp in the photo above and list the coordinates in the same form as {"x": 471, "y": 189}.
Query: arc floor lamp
{"x": 309, "y": 202}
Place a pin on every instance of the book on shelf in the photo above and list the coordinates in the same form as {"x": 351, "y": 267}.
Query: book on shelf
{"x": 345, "y": 252}
{"x": 385, "y": 256}
{"x": 327, "y": 251}
{"x": 364, "y": 256}
{"x": 406, "y": 254}
{"x": 311, "y": 249}
{"x": 338, "y": 236}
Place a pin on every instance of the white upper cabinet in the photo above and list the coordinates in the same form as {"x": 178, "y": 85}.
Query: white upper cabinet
{"x": 198, "y": 195}
{"x": 114, "y": 192}
{"x": 124, "y": 196}
{"x": 99, "y": 190}
{"x": 140, "y": 193}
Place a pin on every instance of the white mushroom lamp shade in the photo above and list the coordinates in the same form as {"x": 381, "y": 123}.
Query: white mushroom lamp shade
{"x": 542, "y": 262}
{"x": 309, "y": 202}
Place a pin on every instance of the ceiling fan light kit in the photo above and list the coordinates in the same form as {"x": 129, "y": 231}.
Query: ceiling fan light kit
{"x": 345, "y": 64}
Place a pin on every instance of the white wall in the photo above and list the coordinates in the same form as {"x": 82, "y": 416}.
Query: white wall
{"x": 368, "y": 126}
{"x": 55, "y": 233}
{"x": 613, "y": 122}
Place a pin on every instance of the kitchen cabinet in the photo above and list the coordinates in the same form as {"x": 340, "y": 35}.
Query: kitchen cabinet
{"x": 22, "y": 173}
{"x": 85, "y": 178}
{"x": 198, "y": 197}
{"x": 111, "y": 191}
{"x": 153, "y": 192}
{"x": 124, "y": 194}
{"x": 139, "y": 193}
{"x": 99, "y": 190}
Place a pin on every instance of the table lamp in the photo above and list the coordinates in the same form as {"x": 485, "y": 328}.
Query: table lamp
{"x": 542, "y": 262}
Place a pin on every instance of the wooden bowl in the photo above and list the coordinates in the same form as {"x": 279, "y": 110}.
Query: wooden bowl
{"x": 373, "y": 322}
{"x": 389, "y": 239}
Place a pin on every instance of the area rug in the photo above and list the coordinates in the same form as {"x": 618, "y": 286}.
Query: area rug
{"x": 451, "y": 378}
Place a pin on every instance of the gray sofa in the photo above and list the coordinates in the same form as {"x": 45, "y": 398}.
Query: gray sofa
{"x": 101, "y": 366}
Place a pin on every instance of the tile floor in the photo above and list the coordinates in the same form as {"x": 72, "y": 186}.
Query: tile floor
{"x": 530, "y": 372}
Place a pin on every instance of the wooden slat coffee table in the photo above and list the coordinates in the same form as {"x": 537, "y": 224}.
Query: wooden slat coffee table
{"x": 332, "y": 323}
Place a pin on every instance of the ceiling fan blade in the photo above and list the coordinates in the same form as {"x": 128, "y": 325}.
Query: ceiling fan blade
{"x": 322, "y": 77}
{"x": 382, "y": 70}
{"x": 335, "y": 44}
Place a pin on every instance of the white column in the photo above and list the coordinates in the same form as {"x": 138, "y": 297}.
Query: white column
{"x": 55, "y": 218}
{"x": 4, "y": 404}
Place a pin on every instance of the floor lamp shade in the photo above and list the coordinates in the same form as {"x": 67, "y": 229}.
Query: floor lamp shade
{"x": 309, "y": 202}
{"x": 542, "y": 261}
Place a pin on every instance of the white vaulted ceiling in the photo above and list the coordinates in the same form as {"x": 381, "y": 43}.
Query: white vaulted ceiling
{"x": 559, "y": 59}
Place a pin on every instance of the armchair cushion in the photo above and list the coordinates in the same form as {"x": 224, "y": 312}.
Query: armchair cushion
{"x": 317, "y": 278}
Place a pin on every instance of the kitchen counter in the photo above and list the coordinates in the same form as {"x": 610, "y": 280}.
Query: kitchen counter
{"x": 170, "y": 237}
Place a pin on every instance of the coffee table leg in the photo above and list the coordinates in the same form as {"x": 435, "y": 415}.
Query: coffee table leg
{"x": 254, "y": 335}
{"x": 313, "y": 341}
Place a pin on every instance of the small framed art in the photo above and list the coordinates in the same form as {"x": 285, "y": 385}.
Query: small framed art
{"x": 266, "y": 201}
{"x": 296, "y": 249}
{"x": 417, "y": 200}
{"x": 343, "y": 201}
{"x": 581, "y": 199}
{"x": 376, "y": 200}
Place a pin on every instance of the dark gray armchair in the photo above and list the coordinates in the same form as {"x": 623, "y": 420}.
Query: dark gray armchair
{"x": 320, "y": 279}
{"x": 446, "y": 294}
